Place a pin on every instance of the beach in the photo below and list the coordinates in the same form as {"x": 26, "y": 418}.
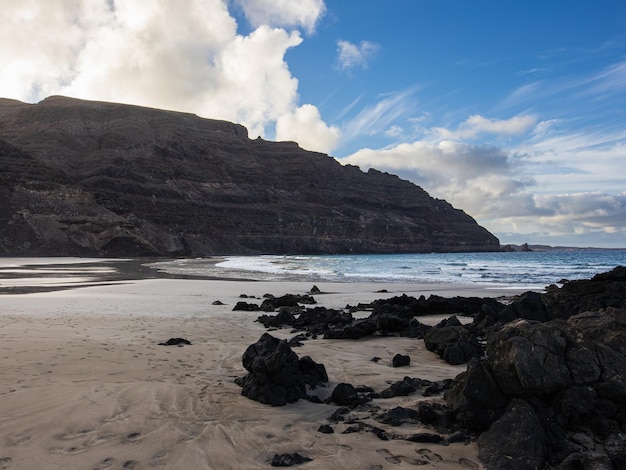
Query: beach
{"x": 86, "y": 385}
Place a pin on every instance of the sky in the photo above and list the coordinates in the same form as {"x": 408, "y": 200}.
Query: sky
{"x": 514, "y": 112}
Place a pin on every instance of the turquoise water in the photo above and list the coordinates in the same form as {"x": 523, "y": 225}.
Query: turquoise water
{"x": 532, "y": 269}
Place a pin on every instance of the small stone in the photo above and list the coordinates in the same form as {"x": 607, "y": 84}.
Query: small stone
{"x": 176, "y": 342}
{"x": 400, "y": 361}
{"x": 325, "y": 429}
{"x": 288, "y": 460}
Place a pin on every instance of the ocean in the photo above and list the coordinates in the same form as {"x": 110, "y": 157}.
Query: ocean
{"x": 531, "y": 270}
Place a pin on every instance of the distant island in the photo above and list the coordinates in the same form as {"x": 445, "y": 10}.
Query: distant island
{"x": 86, "y": 178}
{"x": 525, "y": 247}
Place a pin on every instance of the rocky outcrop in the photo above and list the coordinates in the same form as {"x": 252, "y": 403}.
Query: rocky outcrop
{"x": 276, "y": 375}
{"x": 601, "y": 291}
{"x": 549, "y": 393}
{"x": 545, "y": 385}
{"x": 91, "y": 178}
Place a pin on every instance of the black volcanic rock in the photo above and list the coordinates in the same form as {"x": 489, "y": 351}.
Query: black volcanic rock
{"x": 454, "y": 344}
{"x": 400, "y": 360}
{"x": 545, "y": 390}
{"x": 276, "y": 375}
{"x": 288, "y": 460}
{"x": 91, "y": 178}
{"x": 516, "y": 440}
{"x": 601, "y": 291}
{"x": 344, "y": 394}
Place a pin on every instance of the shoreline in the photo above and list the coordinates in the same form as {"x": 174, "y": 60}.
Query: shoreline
{"x": 39, "y": 275}
{"x": 114, "y": 398}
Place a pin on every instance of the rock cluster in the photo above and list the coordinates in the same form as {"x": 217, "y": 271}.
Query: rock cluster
{"x": 545, "y": 384}
{"x": 555, "y": 382}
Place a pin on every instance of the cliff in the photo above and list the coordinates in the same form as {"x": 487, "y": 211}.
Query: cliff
{"x": 102, "y": 179}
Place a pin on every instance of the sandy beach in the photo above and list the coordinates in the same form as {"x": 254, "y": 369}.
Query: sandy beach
{"x": 85, "y": 384}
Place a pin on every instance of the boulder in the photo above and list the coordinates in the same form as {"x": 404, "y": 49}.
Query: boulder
{"x": 475, "y": 397}
{"x": 400, "y": 360}
{"x": 454, "y": 344}
{"x": 539, "y": 358}
{"x": 275, "y": 374}
{"x": 313, "y": 374}
{"x": 344, "y": 394}
{"x": 527, "y": 306}
{"x": 515, "y": 441}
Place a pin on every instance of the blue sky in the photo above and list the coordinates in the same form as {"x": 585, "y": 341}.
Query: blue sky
{"x": 512, "y": 111}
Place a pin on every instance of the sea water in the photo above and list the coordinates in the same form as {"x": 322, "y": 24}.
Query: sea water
{"x": 519, "y": 269}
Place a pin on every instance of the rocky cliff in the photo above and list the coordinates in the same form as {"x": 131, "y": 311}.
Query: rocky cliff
{"x": 90, "y": 178}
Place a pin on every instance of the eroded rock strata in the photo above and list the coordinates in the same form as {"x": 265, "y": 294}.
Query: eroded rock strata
{"x": 90, "y": 178}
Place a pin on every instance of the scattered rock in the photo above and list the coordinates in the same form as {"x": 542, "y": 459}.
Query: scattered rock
{"x": 339, "y": 415}
{"x": 246, "y": 307}
{"x": 426, "y": 438}
{"x": 289, "y": 460}
{"x": 361, "y": 427}
{"x": 176, "y": 342}
{"x": 400, "y": 361}
{"x": 271, "y": 303}
{"x": 314, "y": 290}
{"x": 401, "y": 388}
{"x": 398, "y": 416}
{"x": 325, "y": 429}
{"x": 344, "y": 394}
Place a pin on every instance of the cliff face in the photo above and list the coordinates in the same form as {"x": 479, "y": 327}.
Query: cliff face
{"x": 90, "y": 178}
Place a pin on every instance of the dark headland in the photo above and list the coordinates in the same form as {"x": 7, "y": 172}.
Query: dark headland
{"x": 101, "y": 179}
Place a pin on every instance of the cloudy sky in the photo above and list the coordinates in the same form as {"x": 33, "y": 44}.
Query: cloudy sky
{"x": 512, "y": 111}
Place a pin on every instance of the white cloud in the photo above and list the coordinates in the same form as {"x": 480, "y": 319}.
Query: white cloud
{"x": 284, "y": 13}
{"x": 579, "y": 219}
{"x": 351, "y": 55}
{"x": 525, "y": 190}
{"x": 474, "y": 177}
{"x": 394, "y": 131}
{"x": 305, "y": 126}
{"x": 184, "y": 55}
{"x": 476, "y": 125}
{"x": 256, "y": 86}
